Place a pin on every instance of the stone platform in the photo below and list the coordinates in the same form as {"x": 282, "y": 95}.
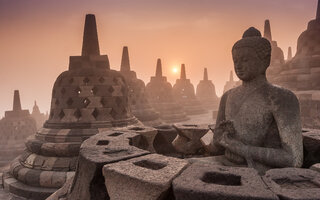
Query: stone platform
{"x": 129, "y": 171}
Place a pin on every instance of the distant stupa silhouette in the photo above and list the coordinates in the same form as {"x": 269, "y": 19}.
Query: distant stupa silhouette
{"x": 184, "y": 94}
{"x": 160, "y": 95}
{"x": 15, "y": 127}
{"x": 206, "y": 92}
{"x": 140, "y": 105}
{"x": 277, "y": 56}
{"x": 301, "y": 73}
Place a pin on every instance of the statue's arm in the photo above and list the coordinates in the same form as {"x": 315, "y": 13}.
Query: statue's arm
{"x": 215, "y": 147}
{"x": 287, "y": 116}
{"x": 286, "y": 113}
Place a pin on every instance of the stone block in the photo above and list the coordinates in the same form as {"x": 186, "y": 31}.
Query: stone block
{"x": 311, "y": 144}
{"x": 106, "y": 147}
{"x": 147, "y": 177}
{"x": 163, "y": 140}
{"x": 189, "y": 137}
{"x": 206, "y": 181}
{"x": 148, "y": 135}
{"x": 294, "y": 183}
{"x": 315, "y": 167}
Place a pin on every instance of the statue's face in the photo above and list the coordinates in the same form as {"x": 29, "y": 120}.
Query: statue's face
{"x": 247, "y": 64}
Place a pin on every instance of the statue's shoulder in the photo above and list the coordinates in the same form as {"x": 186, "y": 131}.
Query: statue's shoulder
{"x": 283, "y": 96}
{"x": 228, "y": 92}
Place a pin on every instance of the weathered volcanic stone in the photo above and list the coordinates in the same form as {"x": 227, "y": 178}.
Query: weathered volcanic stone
{"x": 147, "y": 177}
{"x": 101, "y": 149}
{"x": 315, "y": 167}
{"x": 294, "y": 183}
{"x": 311, "y": 144}
{"x": 163, "y": 140}
{"x": 147, "y": 134}
{"x": 206, "y": 181}
{"x": 189, "y": 137}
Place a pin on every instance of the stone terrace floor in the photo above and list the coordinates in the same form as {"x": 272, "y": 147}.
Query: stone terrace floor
{"x": 194, "y": 119}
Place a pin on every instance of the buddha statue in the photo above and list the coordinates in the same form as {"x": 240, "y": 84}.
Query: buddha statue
{"x": 258, "y": 124}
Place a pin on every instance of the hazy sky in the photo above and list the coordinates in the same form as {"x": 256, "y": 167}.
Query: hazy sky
{"x": 38, "y": 36}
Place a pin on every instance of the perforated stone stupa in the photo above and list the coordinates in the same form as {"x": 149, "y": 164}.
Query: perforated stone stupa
{"x": 301, "y": 74}
{"x": 184, "y": 94}
{"x": 160, "y": 95}
{"x": 38, "y": 116}
{"x": 137, "y": 94}
{"x": 86, "y": 99}
{"x": 15, "y": 127}
{"x": 206, "y": 92}
{"x": 277, "y": 56}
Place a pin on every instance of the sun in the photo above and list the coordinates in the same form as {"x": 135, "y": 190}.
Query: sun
{"x": 175, "y": 70}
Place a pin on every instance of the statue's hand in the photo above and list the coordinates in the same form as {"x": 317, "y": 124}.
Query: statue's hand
{"x": 222, "y": 128}
{"x": 232, "y": 144}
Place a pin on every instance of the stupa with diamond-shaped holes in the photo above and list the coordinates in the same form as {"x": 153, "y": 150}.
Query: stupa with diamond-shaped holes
{"x": 86, "y": 99}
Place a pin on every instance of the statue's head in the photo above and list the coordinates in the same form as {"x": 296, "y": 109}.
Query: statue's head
{"x": 251, "y": 55}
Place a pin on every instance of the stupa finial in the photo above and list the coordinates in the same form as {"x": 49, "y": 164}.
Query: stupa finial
{"x": 205, "y": 74}
{"x": 90, "y": 45}
{"x": 289, "y": 53}
{"x": 16, "y": 101}
{"x": 159, "y": 68}
{"x": 231, "y": 76}
{"x": 183, "y": 75}
{"x": 267, "y": 30}
{"x": 125, "y": 62}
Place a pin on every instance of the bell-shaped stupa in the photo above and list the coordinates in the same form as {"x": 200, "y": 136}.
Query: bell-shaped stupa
{"x": 137, "y": 94}
{"x": 86, "y": 99}
{"x": 277, "y": 56}
{"x": 206, "y": 93}
{"x": 184, "y": 94}
{"x": 160, "y": 95}
{"x": 301, "y": 73}
{"x": 15, "y": 127}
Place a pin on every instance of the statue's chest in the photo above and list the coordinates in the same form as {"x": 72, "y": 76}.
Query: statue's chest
{"x": 250, "y": 114}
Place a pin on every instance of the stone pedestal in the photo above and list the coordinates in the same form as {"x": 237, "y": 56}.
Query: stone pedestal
{"x": 206, "y": 181}
{"x": 146, "y": 177}
{"x": 294, "y": 183}
{"x": 189, "y": 137}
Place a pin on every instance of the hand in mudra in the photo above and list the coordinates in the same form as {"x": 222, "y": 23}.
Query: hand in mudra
{"x": 225, "y": 136}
